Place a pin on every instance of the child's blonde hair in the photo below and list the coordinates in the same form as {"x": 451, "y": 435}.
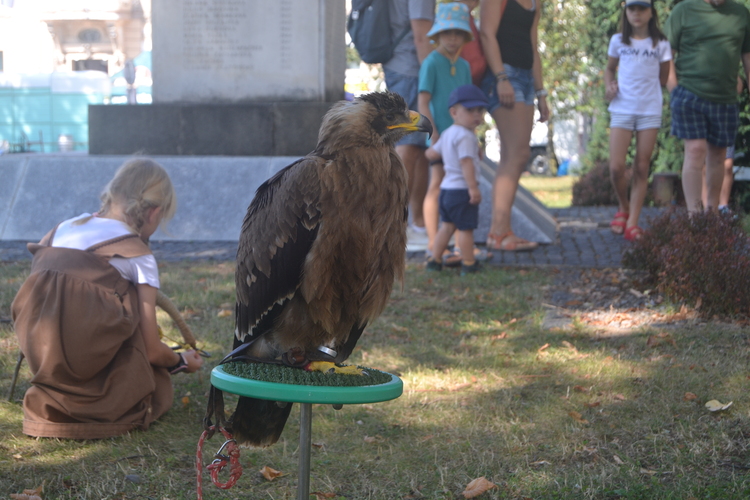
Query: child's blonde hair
{"x": 139, "y": 185}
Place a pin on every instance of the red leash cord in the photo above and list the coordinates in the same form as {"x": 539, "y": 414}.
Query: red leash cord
{"x": 231, "y": 454}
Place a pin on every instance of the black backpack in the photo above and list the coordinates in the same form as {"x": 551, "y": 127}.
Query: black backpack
{"x": 369, "y": 25}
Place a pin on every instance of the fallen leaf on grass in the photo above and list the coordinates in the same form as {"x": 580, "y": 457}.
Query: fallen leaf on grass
{"x": 500, "y": 336}
{"x": 540, "y": 462}
{"x": 689, "y": 396}
{"x": 648, "y": 471}
{"x": 477, "y": 487}
{"x": 659, "y": 339}
{"x": 377, "y": 438}
{"x": 545, "y": 346}
{"x": 224, "y": 313}
{"x": 592, "y": 405}
{"x": 578, "y": 417}
{"x": 269, "y": 473}
{"x": 620, "y": 397}
{"x": 570, "y": 346}
{"x": 29, "y": 494}
{"x": 185, "y": 401}
{"x": 25, "y": 496}
{"x": 714, "y": 405}
{"x": 617, "y": 460}
{"x": 322, "y": 496}
{"x": 580, "y": 388}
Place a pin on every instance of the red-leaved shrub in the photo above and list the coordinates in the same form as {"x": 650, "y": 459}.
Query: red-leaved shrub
{"x": 700, "y": 259}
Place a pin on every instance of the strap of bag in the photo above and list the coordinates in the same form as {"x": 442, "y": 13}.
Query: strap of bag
{"x": 401, "y": 36}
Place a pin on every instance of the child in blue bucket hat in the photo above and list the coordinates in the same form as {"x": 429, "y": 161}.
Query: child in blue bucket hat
{"x": 442, "y": 71}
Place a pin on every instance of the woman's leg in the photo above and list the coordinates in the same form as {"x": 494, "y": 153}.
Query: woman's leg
{"x": 431, "y": 206}
{"x": 619, "y": 142}
{"x": 514, "y": 125}
{"x": 645, "y": 140}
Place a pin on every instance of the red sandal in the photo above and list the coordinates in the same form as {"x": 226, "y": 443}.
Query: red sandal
{"x": 633, "y": 233}
{"x": 619, "y": 221}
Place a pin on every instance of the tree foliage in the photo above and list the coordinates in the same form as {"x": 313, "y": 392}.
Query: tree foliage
{"x": 574, "y": 36}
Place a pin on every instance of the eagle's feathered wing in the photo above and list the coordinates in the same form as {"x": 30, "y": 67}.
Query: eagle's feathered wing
{"x": 321, "y": 245}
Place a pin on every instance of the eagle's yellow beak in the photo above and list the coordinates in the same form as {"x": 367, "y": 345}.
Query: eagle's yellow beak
{"x": 418, "y": 123}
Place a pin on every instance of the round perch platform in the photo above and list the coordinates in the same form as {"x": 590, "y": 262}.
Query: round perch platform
{"x": 306, "y": 395}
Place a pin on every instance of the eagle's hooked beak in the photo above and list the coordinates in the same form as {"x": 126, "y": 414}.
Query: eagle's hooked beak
{"x": 418, "y": 123}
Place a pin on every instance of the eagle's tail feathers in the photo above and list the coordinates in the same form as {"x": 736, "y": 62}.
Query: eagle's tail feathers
{"x": 258, "y": 422}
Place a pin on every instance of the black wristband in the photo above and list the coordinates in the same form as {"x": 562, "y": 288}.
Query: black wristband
{"x": 436, "y": 162}
{"x": 181, "y": 365}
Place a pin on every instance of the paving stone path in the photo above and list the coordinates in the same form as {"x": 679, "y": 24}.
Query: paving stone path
{"x": 584, "y": 240}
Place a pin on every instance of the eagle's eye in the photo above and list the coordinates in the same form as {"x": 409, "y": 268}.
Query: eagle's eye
{"x": 390, "y": 117}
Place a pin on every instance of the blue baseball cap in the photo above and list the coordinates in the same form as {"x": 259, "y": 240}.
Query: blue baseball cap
{"x": 469, "y": 96}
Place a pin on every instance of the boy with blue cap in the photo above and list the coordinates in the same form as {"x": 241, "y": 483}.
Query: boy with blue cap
{"x": 441, "y": 72}
{"x": 458, "y": 147}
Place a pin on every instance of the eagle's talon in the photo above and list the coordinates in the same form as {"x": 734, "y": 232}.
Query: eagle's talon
{"x": 329, "y": 368}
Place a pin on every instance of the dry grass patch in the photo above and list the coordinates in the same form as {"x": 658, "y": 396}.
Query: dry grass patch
{"x": 554, "y": 192}
{"x": 560, "y": 413}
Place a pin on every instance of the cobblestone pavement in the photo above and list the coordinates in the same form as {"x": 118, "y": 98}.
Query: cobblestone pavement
{"x": 584, "y": 240}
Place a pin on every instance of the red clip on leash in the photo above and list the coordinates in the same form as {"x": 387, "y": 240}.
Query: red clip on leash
{"x": 231, "y": 454}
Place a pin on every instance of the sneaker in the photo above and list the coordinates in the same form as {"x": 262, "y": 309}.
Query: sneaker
{"x": 474, "y": 268}
{"x": 433, "y": 265}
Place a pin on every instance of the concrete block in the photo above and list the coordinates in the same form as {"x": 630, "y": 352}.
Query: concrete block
{"x": 257, "y": 129}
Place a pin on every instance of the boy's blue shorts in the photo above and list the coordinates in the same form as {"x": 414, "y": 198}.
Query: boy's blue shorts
{"x": 456, "y": 209}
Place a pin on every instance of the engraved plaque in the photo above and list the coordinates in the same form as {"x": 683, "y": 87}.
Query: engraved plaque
{"x": 217, "y": 51}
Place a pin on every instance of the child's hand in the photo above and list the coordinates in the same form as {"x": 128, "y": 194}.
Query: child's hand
{"x": 611, "y": 91}
{"x": 475, "y": 195}
{"x": 193, "y": 359}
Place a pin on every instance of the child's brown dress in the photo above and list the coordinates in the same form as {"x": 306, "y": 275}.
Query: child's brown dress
{"x": 77, "y": 323}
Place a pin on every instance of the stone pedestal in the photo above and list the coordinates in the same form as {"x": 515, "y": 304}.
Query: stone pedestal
{"x": 232, "y": 77}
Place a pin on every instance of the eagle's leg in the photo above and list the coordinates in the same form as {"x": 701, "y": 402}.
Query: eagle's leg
{"x": 330, "y": 367}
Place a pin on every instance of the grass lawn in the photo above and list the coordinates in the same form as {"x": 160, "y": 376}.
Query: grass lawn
{"x": 554, "y": 192}
{"x": 580, "y": 412}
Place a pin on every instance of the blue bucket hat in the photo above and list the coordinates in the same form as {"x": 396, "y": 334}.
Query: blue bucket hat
{"x": 451, "y": 16}
{"x": 468, "y": 96}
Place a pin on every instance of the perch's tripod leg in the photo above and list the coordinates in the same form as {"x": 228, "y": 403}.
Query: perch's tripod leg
{"x": 305, "y": 440}
{"x": 15, "y": 376}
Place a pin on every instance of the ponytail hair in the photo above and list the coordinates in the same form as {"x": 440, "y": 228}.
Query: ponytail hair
{"x": 654, "y": 32}
{"x": 140, "y": 184}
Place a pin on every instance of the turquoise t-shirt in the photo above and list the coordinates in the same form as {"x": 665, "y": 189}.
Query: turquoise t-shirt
{"x": 709, "y": 42}
{"x": 436, "y": 79}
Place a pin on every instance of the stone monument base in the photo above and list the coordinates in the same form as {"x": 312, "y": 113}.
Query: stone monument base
{"x": 251, "y": 129}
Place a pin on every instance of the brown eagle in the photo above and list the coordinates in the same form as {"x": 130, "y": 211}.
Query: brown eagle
{"x": 321, "y": 245}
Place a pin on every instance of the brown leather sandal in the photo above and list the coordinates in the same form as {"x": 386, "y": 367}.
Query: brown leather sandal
{"x": 515, "y": 244}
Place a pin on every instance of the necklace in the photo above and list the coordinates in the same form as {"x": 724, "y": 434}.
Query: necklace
{"x": 451, "y": 60}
